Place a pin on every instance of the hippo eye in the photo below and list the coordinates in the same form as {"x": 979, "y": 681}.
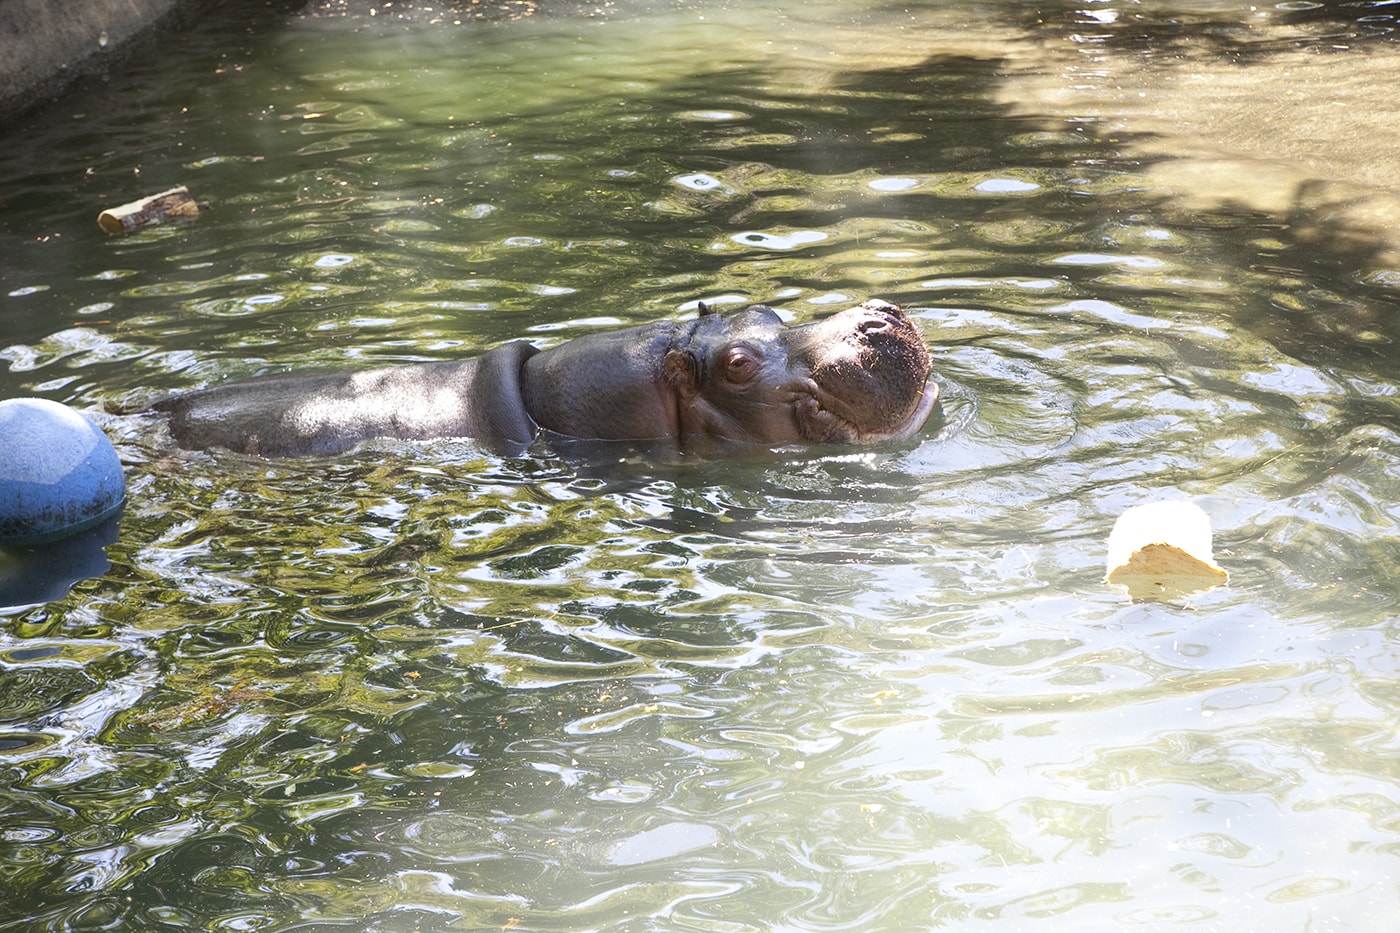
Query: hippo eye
{"x": 740, "y": 365}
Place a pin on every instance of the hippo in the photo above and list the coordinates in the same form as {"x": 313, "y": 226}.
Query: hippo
{"x": 718, "y": 383}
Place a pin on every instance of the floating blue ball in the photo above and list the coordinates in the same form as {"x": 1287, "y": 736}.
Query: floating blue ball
{"x": 58, "y": 473}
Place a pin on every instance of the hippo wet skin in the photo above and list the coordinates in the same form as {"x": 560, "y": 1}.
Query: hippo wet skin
{"x": 719, "y": 382}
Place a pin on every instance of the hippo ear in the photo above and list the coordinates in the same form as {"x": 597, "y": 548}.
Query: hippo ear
{"x": 681, "y": 370}
{"x": 704, "y": 308}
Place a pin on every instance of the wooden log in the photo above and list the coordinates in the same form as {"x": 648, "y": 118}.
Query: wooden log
{"x": 1162, "y": 551}
{"x": 157, "y": 208}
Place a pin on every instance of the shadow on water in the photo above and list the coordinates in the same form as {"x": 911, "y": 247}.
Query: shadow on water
{"x": 43, "y": 574}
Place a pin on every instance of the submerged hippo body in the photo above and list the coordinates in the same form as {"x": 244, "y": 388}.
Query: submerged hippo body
{"x": 741, "y": 379}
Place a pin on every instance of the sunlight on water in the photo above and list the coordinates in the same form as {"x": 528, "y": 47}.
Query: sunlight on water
{"x": 422, "y": 687}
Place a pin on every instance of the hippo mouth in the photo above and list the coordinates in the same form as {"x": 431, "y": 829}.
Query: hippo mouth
{"x": 868, "y": 379}
{"x": 826, "y": 419}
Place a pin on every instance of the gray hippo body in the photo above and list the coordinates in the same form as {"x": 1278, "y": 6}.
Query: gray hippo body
{"x": 721, "y": 381}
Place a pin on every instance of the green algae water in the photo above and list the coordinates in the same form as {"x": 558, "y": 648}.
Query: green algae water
{"x": 419, "y": 687}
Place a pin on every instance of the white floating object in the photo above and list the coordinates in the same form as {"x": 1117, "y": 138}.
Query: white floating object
{"x": 1163, "y": 550}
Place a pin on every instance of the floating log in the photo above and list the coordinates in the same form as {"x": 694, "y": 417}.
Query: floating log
{"x": 149, "y": 211}
{"x": 1162, "y": 551}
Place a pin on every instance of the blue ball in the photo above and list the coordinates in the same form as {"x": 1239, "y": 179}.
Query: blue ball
{"x": 58, "y": 473}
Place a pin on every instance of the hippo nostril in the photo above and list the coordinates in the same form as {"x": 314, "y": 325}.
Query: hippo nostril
{"x": 874, "y": 325}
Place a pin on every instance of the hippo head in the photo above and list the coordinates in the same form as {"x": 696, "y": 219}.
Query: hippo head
{"x": 861, "y": 376}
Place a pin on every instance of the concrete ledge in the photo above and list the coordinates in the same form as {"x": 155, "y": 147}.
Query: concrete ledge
{"x": 46, "y": 45}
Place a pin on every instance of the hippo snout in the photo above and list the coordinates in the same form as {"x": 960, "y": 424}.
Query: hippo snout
{"x": 872, "y": 365}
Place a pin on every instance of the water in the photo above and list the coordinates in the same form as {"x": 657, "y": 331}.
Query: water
{"x": 418, "y": 687}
